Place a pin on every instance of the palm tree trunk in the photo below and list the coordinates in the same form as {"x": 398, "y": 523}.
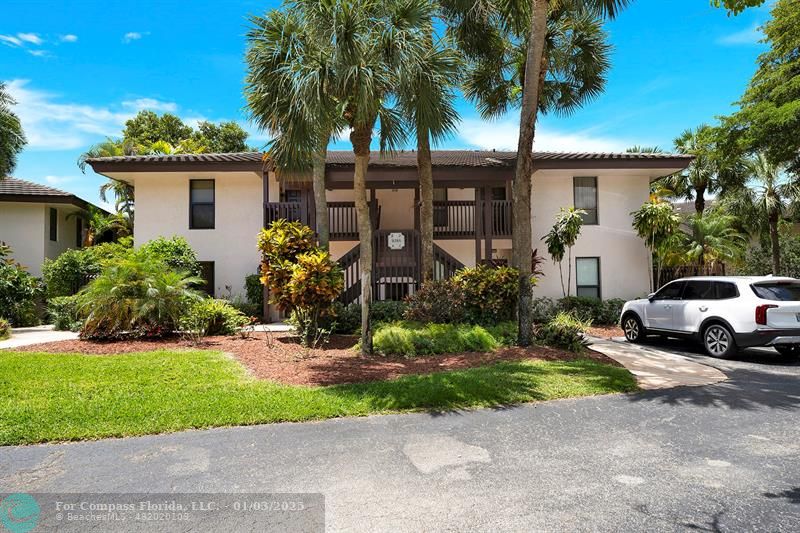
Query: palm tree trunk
{"x": 522, "y": 242}
{"x": 360, "y": 138}
{"x": 426, "y": 199}
{"x": 700, "y": 200}
{"x": 320, "y": 199}
{"x": 775, "y": 242}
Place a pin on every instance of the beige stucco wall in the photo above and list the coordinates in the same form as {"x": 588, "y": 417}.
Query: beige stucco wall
{"x": 162, "y": 209}
{"x": 22, "y": 227}
{"x": 26, "y": 228}
{"x": 162, "y": 204}
{"x": 623, "y": 256}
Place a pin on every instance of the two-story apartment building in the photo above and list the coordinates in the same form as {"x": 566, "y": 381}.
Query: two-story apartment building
{"x": 219, "y": 202}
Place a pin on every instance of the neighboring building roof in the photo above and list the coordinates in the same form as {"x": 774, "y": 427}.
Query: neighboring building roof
{"x": 687, "y": 207}
{"x": 17, "y": 190}
{"x": 400, "y": 159}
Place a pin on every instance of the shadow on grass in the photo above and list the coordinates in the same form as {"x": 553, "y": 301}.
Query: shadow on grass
{"x": 501, "y": 385}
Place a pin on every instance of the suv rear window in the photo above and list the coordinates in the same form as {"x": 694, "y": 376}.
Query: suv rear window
{"x": 782, "y": 291}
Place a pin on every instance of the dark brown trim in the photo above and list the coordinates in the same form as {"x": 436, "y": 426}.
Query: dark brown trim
{"x": 46, "y": 199}
{"x": 101, "y": 167}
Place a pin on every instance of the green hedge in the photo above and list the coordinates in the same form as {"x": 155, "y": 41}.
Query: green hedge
{"x": 412, "y": 339}
{"x": 599, "y": 312}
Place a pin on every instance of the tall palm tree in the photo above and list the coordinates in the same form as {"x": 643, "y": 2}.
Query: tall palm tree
{"x": 426, "y": 98}
{"x": 710, "y": 172}
{"x": 288, "y": 91}
{"x": 368, "y": 47}
{"x": 760, "y": 206}
{"x": 12, "y": 138}
{"x": 540, "y": 56}
{"x": 123, "y": 191}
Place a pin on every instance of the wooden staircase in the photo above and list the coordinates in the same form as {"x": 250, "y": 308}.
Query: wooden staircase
{"x": 396, "y": 272}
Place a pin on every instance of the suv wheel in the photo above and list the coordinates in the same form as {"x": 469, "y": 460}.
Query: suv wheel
{"x": 718, "y": 341}
{"x": 788, "y": 350}
{"x": 633, "y": 329}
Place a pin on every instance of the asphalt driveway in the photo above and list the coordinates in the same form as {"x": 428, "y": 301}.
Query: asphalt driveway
{"x": 723, "y": 457}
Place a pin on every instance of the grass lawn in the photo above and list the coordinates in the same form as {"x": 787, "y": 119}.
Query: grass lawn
{"x": 59, "y": 397}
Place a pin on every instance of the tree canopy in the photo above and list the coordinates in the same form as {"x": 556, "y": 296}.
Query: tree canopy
{"x": 769, "y": 118}
{"x": 12, "y": 138}
{"x": 736, "y": 6}
{"x": 148, "y": 128}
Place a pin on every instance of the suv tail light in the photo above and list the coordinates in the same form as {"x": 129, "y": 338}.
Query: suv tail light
{"x": 761, "y": 313}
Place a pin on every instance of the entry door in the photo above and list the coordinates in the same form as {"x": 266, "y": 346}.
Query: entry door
{"x": 660, "y": 311}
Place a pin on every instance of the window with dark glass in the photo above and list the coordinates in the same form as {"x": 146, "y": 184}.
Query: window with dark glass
{"x": 201, "y": 204}
{"x": 726, "y": 290}
{"x": 587, "y": 276}
{"x": 671, "y": 291}
{"x": 585, "y": 191}
{"x": 53, "y": 224}
{"x": 207, "y": 275}
{"x": 699, "y": 290}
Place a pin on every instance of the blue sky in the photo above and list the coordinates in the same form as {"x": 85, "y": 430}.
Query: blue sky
{"x": 80, "y": 69}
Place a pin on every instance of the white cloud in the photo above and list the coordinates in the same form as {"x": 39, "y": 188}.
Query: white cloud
{"x": 151, "y": 104}
{"x": 50, "y": 124}
{"x": 749, "y": 35}
{"x": 68, "y": 38}
{"x": 32, "y": 38}
{"x": 503, "y": 135}
{"x": 38, "y": 53}
{"x": 58, "y": 180}
{"x": 132, "y": 36}
{"x": 10, "y": 40}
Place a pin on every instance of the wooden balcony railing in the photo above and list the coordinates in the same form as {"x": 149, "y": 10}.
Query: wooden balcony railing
{"x": 342, "y": 218}
{"x": 459, "y": 219}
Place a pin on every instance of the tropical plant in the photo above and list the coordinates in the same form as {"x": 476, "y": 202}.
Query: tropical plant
{"x": 769, "y": 197}
{"x": 19, "y": 291}
{"x": 561, "y": 238}
{"x": 12, "y": 138}
{"x": 489, "y": 293}
{"x": 69, "y": 272}
{"x": 303, "y": 279}
{"x": 639, "y": 149}
{"x": 289, "y": 94}
{"x": 437, "y": 301}
{"x": 540, "y": 56}
{"x": 175, "y": 252}
{"x": 655, "y": 222}
{"x": 711, "y": 239}
{"x": 712, "y": 170}
{"x": 759, "y": 261}
{"x": 768, "y": 120}
{"x": 411, "y": 339}
{"x": 212, "y": 317}
{"x": 565, "y": 331}
{"x": 136, "y": 295}
{"x": 63, "y": 312}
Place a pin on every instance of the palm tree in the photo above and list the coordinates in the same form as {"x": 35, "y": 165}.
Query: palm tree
{"x": 639, "y": 149}
{"x": 426, "y": 98}
{"x": 368, "y": 47}
{"x": 764, "y": 202}
{"x": 655, "y": 223}
{"x": 288, "y": 91}
{"x": 709, "y": 172}
{"x": 12, "y": 138}
{"x": 561, "y": 238}
{"x": 540, "y": 56}
{"x": 712, "y": 239}
{"x": 123, "y": 191}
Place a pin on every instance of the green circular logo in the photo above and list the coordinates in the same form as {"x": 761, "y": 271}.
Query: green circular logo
{"x": 19, "y": 513}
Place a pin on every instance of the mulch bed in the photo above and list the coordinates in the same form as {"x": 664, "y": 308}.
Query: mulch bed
{"x": 283, "y": 359}
{"x": 605, "y": 332}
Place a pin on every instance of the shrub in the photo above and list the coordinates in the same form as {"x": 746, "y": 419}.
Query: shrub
{"x": 504, "y": 332}
{"x": 386, "y": 311}
{"x": 489, "y": 293}
{"x": 564, "y": 331}
{"x": 303, "y": 279}
{"x": 412, "y": 339}
{"x": 254, "y": 290}
{"x": 440, "y": 302}
{"x": 544, "y": 309}
{"x": 5, "y": 329}
{"x": 175, "y": 252}
{"x": 63, "y": 311}
{"x": 19, "y": 292}
{"x": 213, "y": 317}
{"x": 69, "y": 272}
{"x": 612, "y": 309}
{"x": 603, "y": 312}
{"x": 136, "y": 295}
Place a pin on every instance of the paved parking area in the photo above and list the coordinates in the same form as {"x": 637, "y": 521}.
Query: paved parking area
{"x": 35, "y": 335}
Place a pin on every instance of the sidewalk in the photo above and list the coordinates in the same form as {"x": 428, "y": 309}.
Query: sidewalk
{"x": 657, "y": 369}
{"x": 35, "y": 335}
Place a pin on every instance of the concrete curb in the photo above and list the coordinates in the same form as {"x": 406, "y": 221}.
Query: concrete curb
{"x": 657, "y": 369}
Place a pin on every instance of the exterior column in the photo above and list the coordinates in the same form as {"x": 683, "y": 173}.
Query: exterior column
{"x": 488, "y": 221}
{"x": 478, "y": 224}
{"x": 265, "y": 197}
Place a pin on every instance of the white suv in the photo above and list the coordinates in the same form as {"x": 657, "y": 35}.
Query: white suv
{"x": 722, "y": 312}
